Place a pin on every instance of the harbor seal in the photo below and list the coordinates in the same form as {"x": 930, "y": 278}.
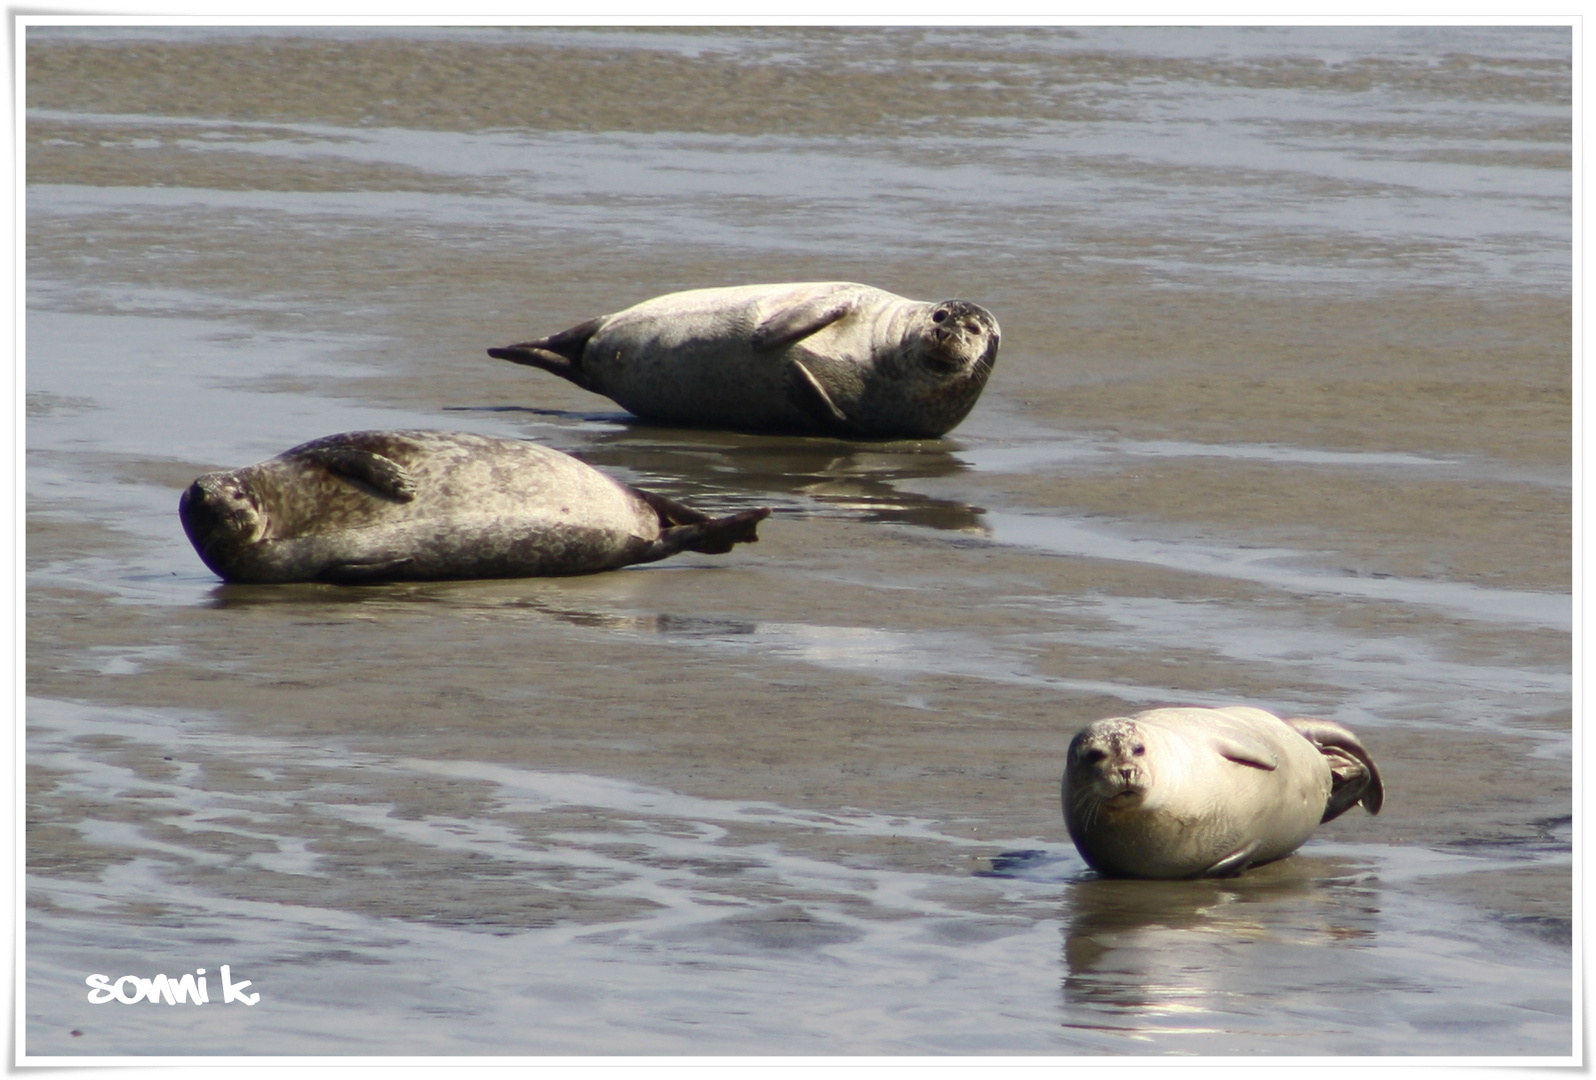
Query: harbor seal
{"x": 372, "y": 506}
{"x": 1187, "y": 792}
{"x": 830, "y": 358}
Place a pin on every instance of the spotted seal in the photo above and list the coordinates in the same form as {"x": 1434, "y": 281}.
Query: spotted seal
{"x": 831, "y": 358}
{"x": 1188, "y": 792}
{"x": 371, "y": 506}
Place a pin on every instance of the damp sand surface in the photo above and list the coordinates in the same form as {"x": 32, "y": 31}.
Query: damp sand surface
{"x": 1281, "y": 417}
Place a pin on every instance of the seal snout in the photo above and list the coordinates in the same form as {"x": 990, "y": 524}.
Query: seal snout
{"x": 963, "y": 335}
{"x": 217, "y": 508}
{"x": 1109, "y": 760}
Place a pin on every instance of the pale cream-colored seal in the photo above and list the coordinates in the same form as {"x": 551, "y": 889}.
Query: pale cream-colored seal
{"x": 1188, "y": 792}
{"x": 372, "y": 506}
{"x": 830, "y": 357}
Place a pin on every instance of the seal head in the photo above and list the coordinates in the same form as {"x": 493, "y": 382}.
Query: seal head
{"x": 219, "y": 511}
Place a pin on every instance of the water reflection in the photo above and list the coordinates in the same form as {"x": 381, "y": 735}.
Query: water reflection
{"x": 803, "y": 474}
{"x": 1160, "y": 955}
{"x": 469, "y": 595}
{"x": 808, "y": 475}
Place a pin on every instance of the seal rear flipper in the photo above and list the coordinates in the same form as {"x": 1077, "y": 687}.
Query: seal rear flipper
{"x": 712, "y": 536}
{"x": 797, "y": 322}
{"x": 559, "y": 354}
{"x": 719, "y": 536}
{"x": 1354, "y": 778}
{"x": 384, "y": 475}
{"x": 364, "y": 573}
{"x": 532, "y": 356}
{"x": 805, "y": 391}
{"x": 670, "y": 512}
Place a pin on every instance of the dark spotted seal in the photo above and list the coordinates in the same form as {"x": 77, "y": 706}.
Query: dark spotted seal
{"x": 830, "y": 358}
{"x": 1183, "y": 793}
{"x": 427, "y": 505}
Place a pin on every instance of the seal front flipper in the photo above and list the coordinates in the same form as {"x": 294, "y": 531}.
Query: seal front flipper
{"x": 384, "y": 475}
{"x": 1232, "y": 864}
{"x": 363, "y": 573}
{"x": 1244, "y": 751}
{"x": 1354, "y": 778}
{"x": 797, "y": 322}
{"x": 559, "y": 354}
{"x": 805, "y": 391}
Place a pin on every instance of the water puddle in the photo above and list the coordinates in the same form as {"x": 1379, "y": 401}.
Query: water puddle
{"x": 715, "y": 905}
{"x": 1273, "y": 567}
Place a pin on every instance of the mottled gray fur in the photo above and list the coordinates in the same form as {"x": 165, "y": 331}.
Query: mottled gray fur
{"x": 426, "y": 505}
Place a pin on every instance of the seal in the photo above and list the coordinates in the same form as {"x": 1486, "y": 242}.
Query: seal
{"x": 1188, "y": 792}
{"x": 371, "y": 506}
{"x": 828, "y": 358}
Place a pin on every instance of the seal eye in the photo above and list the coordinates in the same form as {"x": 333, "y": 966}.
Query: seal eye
{"x": 1138, "y": 750}
{"x": 1092, "y": 757}
{"x": 938, "y": 315}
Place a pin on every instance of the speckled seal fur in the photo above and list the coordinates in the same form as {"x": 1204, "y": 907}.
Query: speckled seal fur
{"x": 372, "y": 506}
{"x": 1188, "y": 792}
{"x": 832, "y": 358}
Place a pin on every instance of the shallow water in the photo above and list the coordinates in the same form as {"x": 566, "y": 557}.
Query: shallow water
{"x": 1282, "y": 417}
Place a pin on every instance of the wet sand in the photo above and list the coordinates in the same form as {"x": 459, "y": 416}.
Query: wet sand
{"x": 1281, "y": 419}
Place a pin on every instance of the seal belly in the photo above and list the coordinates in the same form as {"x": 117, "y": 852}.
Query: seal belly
{"x": 698, "y": 382}
{"x": 692, "y": 358}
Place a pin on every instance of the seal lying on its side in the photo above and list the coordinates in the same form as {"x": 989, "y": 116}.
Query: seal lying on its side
{"x": 831, "y": 358}
{"x": 374, "y": 506}
{"x": 1183, "y": 793}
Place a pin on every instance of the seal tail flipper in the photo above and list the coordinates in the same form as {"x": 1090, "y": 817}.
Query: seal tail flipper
{"x": 670, "y": 511}
{"x": 1354, "y": 777}
{"x": 719, "y": 535}
{"x": 684, "y": 529}
{"x": 560, "y": 354}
